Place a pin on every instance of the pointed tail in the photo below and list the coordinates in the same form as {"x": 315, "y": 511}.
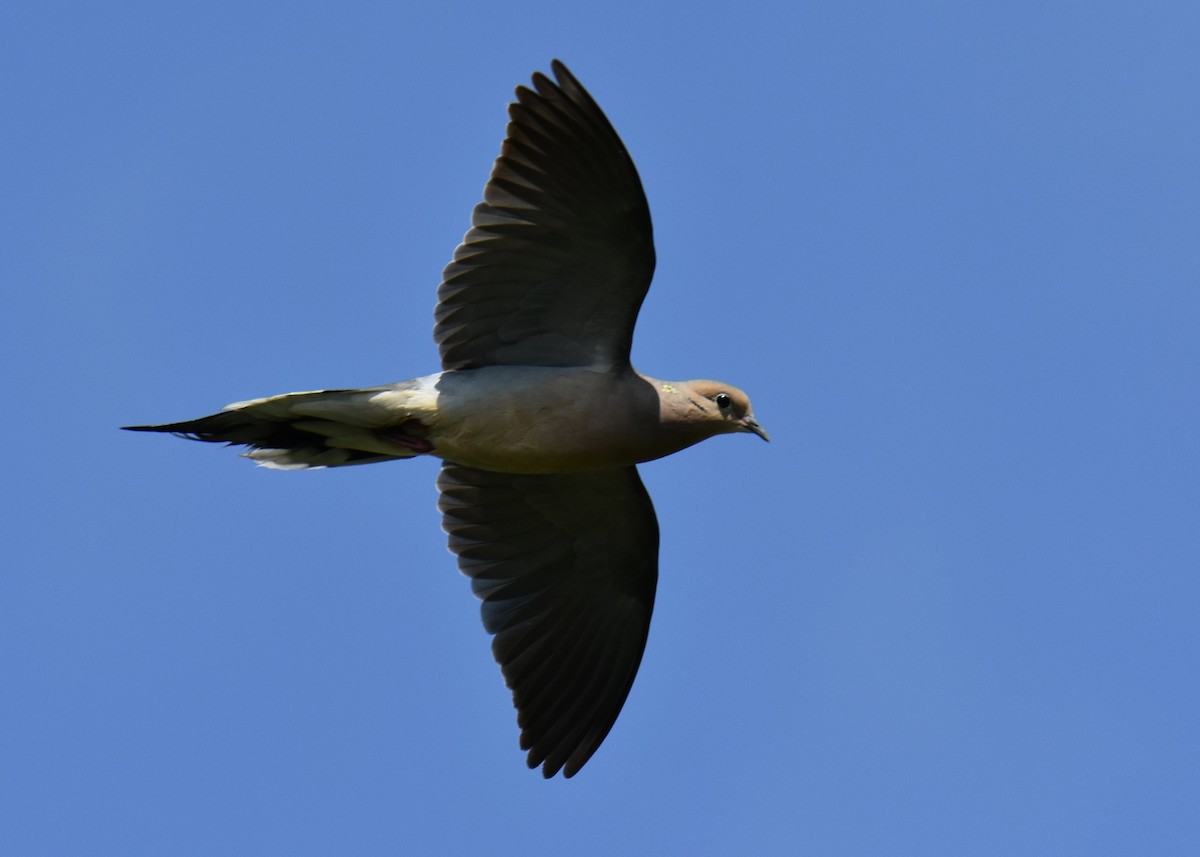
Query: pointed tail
{"x": 326, "y": 428}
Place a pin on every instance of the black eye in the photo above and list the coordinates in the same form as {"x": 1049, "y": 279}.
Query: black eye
{"x": 723, "y": 401}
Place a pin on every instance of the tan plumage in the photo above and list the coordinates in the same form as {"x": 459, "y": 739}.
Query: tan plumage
{"x": 538, "y": 417}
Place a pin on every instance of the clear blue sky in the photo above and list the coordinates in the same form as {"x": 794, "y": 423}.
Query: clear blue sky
{"x": 951, "y": 250}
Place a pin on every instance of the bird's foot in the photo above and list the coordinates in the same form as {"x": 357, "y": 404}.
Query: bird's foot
{"x": 410, "y": 434}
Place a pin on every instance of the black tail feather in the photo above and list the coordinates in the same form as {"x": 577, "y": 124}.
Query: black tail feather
{"x": 236, "y": 427}
{"x": 239, "y": 428}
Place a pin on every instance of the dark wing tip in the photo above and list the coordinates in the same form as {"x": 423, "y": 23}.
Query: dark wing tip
{"x": 563, "y": 75}
{"x": 564, "y": 82}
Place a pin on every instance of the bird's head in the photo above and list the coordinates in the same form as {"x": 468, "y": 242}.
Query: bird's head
{"x": 718, "y": 407}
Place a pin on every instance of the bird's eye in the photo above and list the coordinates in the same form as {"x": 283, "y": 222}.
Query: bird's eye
{"x": 724, "y": 402}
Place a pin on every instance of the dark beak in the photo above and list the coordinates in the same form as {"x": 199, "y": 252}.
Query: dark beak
{"x": 751, "y": 425}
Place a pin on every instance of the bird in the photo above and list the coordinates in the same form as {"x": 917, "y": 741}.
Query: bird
{"x": 538, "y": 417}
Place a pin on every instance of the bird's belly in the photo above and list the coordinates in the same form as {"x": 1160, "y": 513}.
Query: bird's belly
{"x": 509, "y": 420}
{"x": 544, "y": 420}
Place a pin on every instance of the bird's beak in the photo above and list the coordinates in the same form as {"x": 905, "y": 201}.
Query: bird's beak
{"x": 751, "y": 425}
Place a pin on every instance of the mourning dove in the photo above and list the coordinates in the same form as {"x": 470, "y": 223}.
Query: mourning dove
{"x": 538, "y": 417}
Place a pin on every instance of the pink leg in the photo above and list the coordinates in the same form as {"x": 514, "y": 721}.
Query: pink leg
{"x": 410, "y": 435}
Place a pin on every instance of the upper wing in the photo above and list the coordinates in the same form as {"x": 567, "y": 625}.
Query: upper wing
{"x": 566, "y": 565}
{"x": 561, "y": 250}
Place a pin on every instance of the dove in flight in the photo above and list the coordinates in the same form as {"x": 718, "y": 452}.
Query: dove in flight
{"x": 538, "y": 417}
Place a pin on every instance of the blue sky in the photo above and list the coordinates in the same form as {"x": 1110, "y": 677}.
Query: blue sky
{"x": 949, "y": 249}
